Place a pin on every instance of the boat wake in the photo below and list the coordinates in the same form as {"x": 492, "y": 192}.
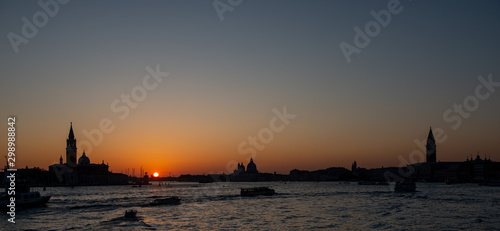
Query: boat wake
{"x": 126, "y": 223}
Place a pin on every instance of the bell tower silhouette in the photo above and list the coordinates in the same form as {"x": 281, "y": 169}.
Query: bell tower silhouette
{"x": 71, "y": 148}
{"x": 431, "y": 148}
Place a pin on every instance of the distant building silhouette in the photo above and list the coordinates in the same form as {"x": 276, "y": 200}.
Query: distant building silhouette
{"x": 83, "y": 172}
{"x": 431, "y": 148}
{"x": 329, "y": 174}
{"x": 83, "y": 160}
{"x": 240, "y": 169}
{"x": 251, "y": 173}
{"x": 251, "y": 167}
{"x": 471, "y": 170}
{"x": 71, "y": 147}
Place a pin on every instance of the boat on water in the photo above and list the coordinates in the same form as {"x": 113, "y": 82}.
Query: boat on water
{"x": 491, "y": 183}
{"x": 173, "y": 200}
{"x": 24, "y": 197}
{"x": 265, "y": 191}
{"x": 131, "y": 213}
{"x": 373, "y": 183}
{"x": 405, "y": 186}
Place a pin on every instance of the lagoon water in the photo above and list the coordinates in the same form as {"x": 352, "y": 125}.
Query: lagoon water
{"x": 297, "y": 206}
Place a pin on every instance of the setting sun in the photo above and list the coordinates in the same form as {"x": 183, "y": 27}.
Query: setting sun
{"x": 156, "y": 174}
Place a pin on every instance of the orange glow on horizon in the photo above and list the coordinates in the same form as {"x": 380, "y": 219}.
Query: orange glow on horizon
{"x": 168, "y": 150}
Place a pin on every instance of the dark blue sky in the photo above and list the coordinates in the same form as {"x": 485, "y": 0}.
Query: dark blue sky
{"x": 227, "y": 76}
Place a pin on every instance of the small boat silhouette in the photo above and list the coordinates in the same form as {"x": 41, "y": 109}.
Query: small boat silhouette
{"x": 266, "y": 191}
{"x": 405, "y": 186}
{"x": 24, "y": 197}
{"x": 131, "y": 213}
{"x": 173, "y": 200}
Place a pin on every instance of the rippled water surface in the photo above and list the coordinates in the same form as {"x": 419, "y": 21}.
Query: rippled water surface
{"x": 298, "y": 205}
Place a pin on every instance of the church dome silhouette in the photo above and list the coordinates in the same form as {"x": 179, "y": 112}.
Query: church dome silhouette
{"x": 251, "y": 167}
{"x": 83, "y": 159}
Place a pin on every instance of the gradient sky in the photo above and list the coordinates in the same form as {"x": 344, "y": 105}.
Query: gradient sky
{"x": 226, "y": 77}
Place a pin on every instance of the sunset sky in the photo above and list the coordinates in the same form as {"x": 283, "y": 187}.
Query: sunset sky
{"x": 227, "y": 79}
